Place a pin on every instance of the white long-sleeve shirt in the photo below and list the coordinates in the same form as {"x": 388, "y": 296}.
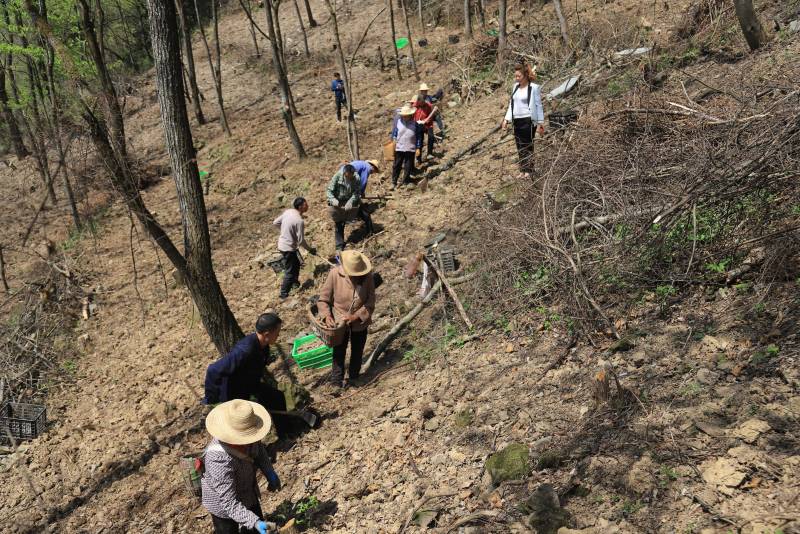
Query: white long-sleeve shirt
{"x": 521, "y": 107}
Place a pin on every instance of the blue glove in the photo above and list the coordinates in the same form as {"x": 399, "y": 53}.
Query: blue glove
{"x": 273, "y": 482}
{"x": 264, "y": 527}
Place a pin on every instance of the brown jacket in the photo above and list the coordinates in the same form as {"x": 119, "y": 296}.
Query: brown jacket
{"x": 339, "y": 292}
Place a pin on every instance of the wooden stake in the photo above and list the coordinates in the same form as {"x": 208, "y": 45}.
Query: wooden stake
{"x": 453, "y": 294}
{"x": 3, "y": 271}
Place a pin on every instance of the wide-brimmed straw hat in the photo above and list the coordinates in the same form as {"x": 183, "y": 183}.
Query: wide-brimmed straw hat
{"x": 238, "y": 422}
{"x": 355, "y": 263}
{"x": 424, "y": 87}
{"x": 374, "y": 164}
{"x": 406, "y": 110}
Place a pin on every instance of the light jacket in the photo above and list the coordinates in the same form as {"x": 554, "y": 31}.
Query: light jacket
{"x": 340, "y": 295}
{"x": 342, "y": 189}
{"x": 526, "y": 108}
{"x": 419, "y": 131}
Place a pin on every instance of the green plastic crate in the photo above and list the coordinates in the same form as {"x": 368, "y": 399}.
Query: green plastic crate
{"x": 318, "y": 358}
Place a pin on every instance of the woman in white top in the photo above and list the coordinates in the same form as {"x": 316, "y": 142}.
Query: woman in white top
{"x": 524, "y": 109}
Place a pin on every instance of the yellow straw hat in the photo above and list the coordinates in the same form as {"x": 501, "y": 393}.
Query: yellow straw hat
{"x": 374, "y": 163}
{"x": 424, "y": 87}
{"x": 238, "y": 422}
{"x": 406, "y": 110}
{"x": 355, "y": 263}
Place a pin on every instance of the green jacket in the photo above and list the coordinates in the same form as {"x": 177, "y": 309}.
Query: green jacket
{"x": 342, "y": 189}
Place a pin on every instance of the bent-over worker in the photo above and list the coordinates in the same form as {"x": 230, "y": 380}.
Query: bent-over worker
{"x": 348, "y": 296}
{"x": 291, "y": 239}
{"x": 239, "y": 374}
{"x": 230, "y": 489}
{"x": 344, "y": 202}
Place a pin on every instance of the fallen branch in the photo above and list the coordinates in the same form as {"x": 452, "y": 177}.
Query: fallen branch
{"x": 449, "y": 288}
{"x": 450, "y": 163}
{"x": 480, "y": 514}
{"x": 421, "y": 503}
{"x": 384, "y": 343}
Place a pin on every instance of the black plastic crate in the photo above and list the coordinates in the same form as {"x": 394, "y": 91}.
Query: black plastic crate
{"x": 444, "y": 256}
{"x": 560, "y": 119}
{"x": 22, "y": 421}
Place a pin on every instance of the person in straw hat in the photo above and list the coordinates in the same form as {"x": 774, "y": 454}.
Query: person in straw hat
{"x": 432, "y": 99}
{"x": 407, "y": 135}
{"x": 230, "y": 489}
{"x": 425, "y": 113}
{"x": 348, "y": 297}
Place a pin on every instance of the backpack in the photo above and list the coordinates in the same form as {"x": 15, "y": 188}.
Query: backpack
{"x": 192, "y": 469}
{"x": 530, "y": 91}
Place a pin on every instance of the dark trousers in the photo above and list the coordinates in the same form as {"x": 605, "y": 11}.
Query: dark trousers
{"x": 229, "y": 526}
{"x": 404, "y": 161}
{"x": 431, "y": 139}
{"x": 273, "y": 399}
{"x": 291, "y": 272}
{"x": 357, "y": 340}
{"x": 338, "y": 227}
{"x": 340, "y": 103}
{"x": 523, "y": 135}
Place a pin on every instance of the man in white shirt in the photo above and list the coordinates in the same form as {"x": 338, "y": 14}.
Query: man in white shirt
{"x": 291, "y": 239}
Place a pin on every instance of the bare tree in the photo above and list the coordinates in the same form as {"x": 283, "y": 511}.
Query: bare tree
{"x": 14, "y": 132}
{"x": 214, "y": 62}
{"x": 352, "y": 132}
{"x": 467, "y": 19}
{"x": 311, "y": 22}
{"x": 302, "y": 28}
{"x": 753, "y": 32}
{"x": 410, "y": 39}
{"x": 276, "y": 22}
{"x": 196, "y": 263}
{"x": 502, "y": 34}
{"x": 562, "y": 22}
{"x": 188, "y": 55}
{"x": 394, "y": 40}
{"x": 283, "y": 83}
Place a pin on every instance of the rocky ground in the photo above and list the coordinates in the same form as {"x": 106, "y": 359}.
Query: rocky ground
{"x": 703, "y": 437}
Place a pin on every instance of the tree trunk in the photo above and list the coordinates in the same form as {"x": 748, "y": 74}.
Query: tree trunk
{"x": 108, "y": 92}
{"x": 215, "y": 75}
{"x": 311, "y": 22}
{"x": 302, "y": 28}
{"x": 283, "y": 83}
{"x": 419, "y": 16}
{"x": 394, "y": 40}
{"x": 218, "y": 67}
{"x": 352, "y": 133}
{"x": 751, "y": 27}
{"x": 253, "y": 36}
{"x": 467, "y": 19}
{"x": 502, "y": 31}
{"x": 276, "y": 20}
{"x": 410, "y": 39}
{"x": 188, "y": 55}
{"x": 562, "y": 22}
{"x": 482, "y": 13}
{"x": 14, "y": 133}
{"x": 217, "y": 317}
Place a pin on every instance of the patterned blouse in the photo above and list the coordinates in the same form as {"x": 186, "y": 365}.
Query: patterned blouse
{"x": 229, "y": 481}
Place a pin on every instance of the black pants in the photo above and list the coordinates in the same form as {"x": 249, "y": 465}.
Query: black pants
{"x": 431, "y": 139}
{"x": 339, "y": 105}
{"x": 291, "y": 272}
{"x": 229, "y": 526}
{"x": 273, "y": 399}
{"x": 523, "y": 135}
{"x": 357, "y": 340}
{"x": 338, "y": 227}
{"x": 404, "y": 161}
